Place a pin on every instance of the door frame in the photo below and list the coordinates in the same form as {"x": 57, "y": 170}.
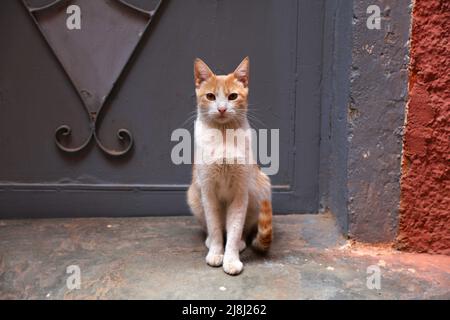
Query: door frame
{"x": 39, "y": 200}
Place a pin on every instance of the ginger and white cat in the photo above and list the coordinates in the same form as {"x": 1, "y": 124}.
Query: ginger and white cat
{"x": 232, "y": 201}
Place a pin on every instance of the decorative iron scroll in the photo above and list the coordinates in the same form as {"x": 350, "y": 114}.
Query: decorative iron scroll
{"x": 93, "y": 55}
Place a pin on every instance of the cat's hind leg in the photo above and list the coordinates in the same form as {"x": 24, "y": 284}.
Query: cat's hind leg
{"x": 242, "y": 245}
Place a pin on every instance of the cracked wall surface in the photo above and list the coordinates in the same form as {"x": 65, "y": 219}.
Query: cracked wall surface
{"x": 378, "y": 94}
{"x": 425, "y": 203}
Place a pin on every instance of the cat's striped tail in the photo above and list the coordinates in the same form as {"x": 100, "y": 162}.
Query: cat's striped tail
{"x": 264, "y": 236}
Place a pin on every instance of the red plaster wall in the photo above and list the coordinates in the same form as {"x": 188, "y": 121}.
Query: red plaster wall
{"x": 425, "y": 199}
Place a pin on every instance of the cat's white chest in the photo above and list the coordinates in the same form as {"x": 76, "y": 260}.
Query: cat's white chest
{"x": 224, "y": 189}
{"x": 213, "y": 146}
{"x": 216, "y": 165}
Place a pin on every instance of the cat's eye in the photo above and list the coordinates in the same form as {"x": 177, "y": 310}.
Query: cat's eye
{"x": 233, "y": 96}
{"x": 210, "y": 96}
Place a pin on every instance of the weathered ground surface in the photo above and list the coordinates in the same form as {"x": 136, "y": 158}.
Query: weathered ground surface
{"x": 163, "y": 258}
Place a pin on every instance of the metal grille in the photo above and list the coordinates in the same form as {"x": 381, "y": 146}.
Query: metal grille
{"x": 93, "y": 56}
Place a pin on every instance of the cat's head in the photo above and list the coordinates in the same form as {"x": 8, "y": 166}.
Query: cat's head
{"x": 221, "y": 98}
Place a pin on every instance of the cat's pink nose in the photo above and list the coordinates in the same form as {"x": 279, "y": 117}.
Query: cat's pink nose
{"x": 222, "y": 109}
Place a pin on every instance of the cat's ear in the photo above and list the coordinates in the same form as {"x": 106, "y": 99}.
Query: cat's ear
{"x": 201, "y": 72}
{"x": 242, "y": 72}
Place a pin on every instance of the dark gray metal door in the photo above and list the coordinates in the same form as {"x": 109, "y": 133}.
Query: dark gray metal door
{"x": 153, "y": 96}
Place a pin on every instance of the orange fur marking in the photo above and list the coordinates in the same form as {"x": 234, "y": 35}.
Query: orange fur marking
{"x": 265, "y": 231}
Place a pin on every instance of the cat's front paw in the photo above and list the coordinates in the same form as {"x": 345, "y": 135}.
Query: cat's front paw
{"x": 214, "y": 259}
{"x": 233, "y": 267}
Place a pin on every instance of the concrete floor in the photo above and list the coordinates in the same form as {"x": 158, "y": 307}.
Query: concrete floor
{"x": 163, "y": 258}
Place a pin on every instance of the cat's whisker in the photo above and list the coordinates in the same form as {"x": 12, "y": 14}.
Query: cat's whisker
{"x": 252, "y": 125}
{"x": 256, "y": 117}
{"x": 252, "y": 118}
{"x": 255, "y": 111}
{"x": 189, "y": 120}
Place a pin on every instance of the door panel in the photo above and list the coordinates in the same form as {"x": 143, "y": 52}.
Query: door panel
{"x": 153, "y": 97}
